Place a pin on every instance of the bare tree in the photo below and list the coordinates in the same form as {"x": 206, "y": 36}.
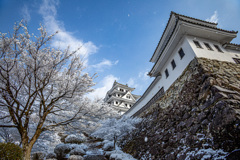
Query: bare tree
{"x": 40, "y": 87}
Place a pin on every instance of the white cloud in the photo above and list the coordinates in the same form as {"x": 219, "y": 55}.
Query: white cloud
{"x": 103, "y": 64}
{"x": 143, "y": 75}
{"x": 25, "y": 13}
{"x": 132, "y": 83}
{"x": 105, "y": 86}
{"x": 213, "y": 18}
{"x": 64, "y": 38}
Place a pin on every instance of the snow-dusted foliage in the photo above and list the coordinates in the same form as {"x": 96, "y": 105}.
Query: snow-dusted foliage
{"x": 77, "y": 151}
{"x": 51, "y": 155}
{"x": 75, "y": 157}
{"x": 40, "y": 87}
{"x": 75, "y": 138}
{"x": 118, "y": 154}
{"x": 113, "y": 129}
{"x": 61, "y": 150}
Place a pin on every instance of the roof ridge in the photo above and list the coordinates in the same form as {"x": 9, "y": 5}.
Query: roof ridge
{"x": 231, "y": 44}
{"x": 209, "y": 26}
{"x": 193, "y": 18}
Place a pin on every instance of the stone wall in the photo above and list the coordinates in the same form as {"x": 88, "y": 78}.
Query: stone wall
{"x": 198, "y": 117}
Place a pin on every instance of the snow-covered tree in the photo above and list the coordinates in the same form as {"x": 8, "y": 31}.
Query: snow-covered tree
{"x": 113, "y": 129}
{"x": 40, "y": 87}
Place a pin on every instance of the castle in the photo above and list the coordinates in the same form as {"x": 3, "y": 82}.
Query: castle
{"x": 120, "y": 97}
{"x": 183, "y": 39}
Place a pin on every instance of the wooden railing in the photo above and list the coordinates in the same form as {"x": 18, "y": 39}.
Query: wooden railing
{"x": 156, "y": 97}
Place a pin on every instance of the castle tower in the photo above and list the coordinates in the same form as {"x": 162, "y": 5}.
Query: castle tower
{"x": 120, "y": 97}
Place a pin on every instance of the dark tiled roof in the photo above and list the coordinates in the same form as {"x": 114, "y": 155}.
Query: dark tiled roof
{"x": 193, "y": 18}
{"x": 232, "y": 44}
{"x": 209, "y": 26}
{"x": 123, "y": 85}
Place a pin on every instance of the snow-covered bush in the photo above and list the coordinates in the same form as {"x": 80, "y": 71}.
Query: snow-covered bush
{"x": 77, "y": 139}
{"x": 61, "y": 150}
{"x": 51, "y": 156}
{"x": 108, "y": 145}
{"x": 77, "y": 151}
{"x": 118, "y": 154}
{"x": 113, "y": 129}
{"x": 75, "y": 157}
{"x": 82, "y": 146}
{"x": 38, "y": 155}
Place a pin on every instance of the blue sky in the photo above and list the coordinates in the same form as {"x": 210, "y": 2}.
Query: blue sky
{"x": 118, "y": 37}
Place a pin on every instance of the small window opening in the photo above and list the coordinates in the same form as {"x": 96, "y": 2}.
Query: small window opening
{"x": 237, "y": 60}
{"x": 181, "y": 53}
{"x": 166, "y": 73}
{"x": 173, "y": 64}
{"x": 208, "y": 46}
{"x": 217, "y": 47}
{"x": 197, "y": 44}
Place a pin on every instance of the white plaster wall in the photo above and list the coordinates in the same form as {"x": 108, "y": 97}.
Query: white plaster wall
{"x": 181, "y": 64}
{"x": 226, "y": 55}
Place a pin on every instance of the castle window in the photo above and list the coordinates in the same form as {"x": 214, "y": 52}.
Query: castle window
{"x": 126, "y": 104}
{"x": 208, "y": 46}
{"x": 217, "y": 47}
{"x": 181, "y": 53}
{"x": 173, "y": 64}
{"x": 197, "y": 44}
{"x": 116, "y": 102}
{"x": 166, "y": 73}
{"x": 128, "y": 96}
{"x": 237, "y": 60}
{"x": 121, "y": 89}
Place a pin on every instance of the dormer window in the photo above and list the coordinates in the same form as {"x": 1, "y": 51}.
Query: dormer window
{"x": 166, "y": 73}
{"x": 121, "y": 90}
{"x": 217, "y": 47}
{"x": 181, "y": 53}
{"x": 173, "y": 64}
{"x": 208, "y": 46}
{"x": 197, "y": 44}
{"x": 128, "y": 96}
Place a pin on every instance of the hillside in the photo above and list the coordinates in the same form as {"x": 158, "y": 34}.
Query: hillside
{"x": 198, "y": 117}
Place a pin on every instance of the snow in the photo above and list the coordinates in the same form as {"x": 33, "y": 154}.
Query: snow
{"x": 108, "y": 144}
{"x": 75, "y": 138}
{"x": 207, "y": 154}
{"x": 145, "y": 139}
{"x": 118, "y": 154}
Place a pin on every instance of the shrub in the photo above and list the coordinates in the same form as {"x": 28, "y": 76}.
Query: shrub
{"x": 75, "y": 157}
{"x": 9, "y": 151}
{"x": 61, "y": 150}
{"x": 51, "y": 156}
{"x": 77, "y": 151}
{"x": 38, "y": 156}
{"x": 77, "y": 139}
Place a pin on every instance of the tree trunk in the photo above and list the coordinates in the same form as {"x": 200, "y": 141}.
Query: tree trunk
{"x": 114, "y": 141}
{"x": 27, "y": 145}
{"x": 27, "y": 153}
